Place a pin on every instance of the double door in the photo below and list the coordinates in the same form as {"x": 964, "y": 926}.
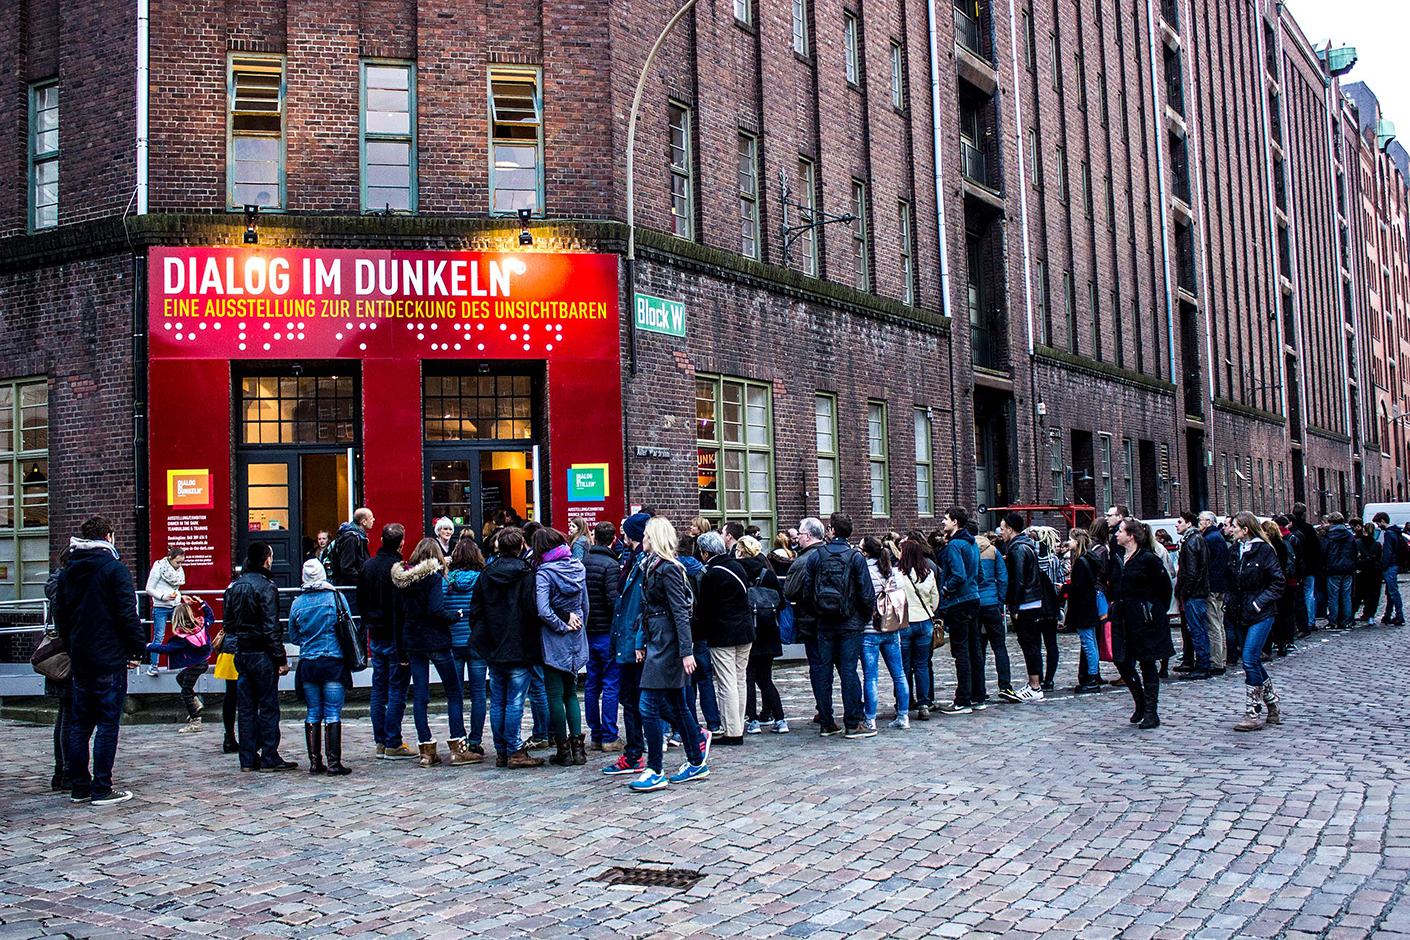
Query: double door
{"x": 471, "y": 483}
{"x": 287, "y": 496}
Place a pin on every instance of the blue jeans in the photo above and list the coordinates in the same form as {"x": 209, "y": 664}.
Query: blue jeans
{"x": 1339, "y": 600}
{"x": 668, "y": 704}
{"x": 629, "y": 695}
{"x": 841, "y": 651}
{"x": 160, "y": 615}
{"x": 1091, "y": 656}
{"x": 703, "y": 682}
{"x": 915, "y": 660}
{"x": 1309, "y": 597}
{"x": 97, "y": 710}
{"x": 1254, "y": 673}
{"x": 508, "y": 687}
{"x": 1395, "y": 609}
{"x": 389, "y": 678}
{"x": 538, "y": 703}
{"x": 325, "y": 702}
{"x": 600, "y": 693}
{"x": 421, "y": 664}
{"x": 470, "y": 668}
{"x": 1194, "y": 610}
{"x": 875, "y": 647}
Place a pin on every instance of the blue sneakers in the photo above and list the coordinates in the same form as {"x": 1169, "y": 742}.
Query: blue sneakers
{"x": 648, "y": 781}
{"x": 689, "y": 772}
{"x": 624, "y": 766}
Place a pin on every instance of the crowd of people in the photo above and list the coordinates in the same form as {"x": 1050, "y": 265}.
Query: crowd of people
{"x": 678, "y": 632}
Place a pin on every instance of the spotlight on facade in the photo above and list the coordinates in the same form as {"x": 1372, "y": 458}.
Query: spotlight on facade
{"x": 252, "y": 225}
{"x": 525, "y": 238}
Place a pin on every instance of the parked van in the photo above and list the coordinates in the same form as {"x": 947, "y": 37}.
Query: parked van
{"x": 1399, "y": 512}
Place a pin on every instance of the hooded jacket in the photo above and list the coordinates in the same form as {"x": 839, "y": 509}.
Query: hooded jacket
{"x": 1022, "y": 560}
{"x": 504, "y": 617}
{"x": 376, "y": 598}
{"x": 164, "y": 584}
{"x": 665, "y": 634}
{"x": 602, "y": 569}
{"x": 252, "y": 616}
{"x": 96, "y": 611}
{"x": 349, "y": 554}
{"x": 460, "y": 589}
{"x": 723, "y": 616}
{"x": 560, "y": 590}
{"x": 993, "y": 578}
{"x": 1339, "y": 551}
{"x": 185, "y": 650}
{"x": 959, "y": 564}
{"x": 1311, "y": 548}
{"x": 423, "y": 620}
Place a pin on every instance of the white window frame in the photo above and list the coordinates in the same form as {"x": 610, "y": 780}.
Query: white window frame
{"x": 807, "y": 197}
{"x": 825, "y": 441}
{"x": 743, "y": 12}
{"x": 516, "y": 74}
{"x": 850, "y": 47}
{"x": 800, "y": 27}
{"x": 905, "y": 227}
{"x": 898, "y": 78}
{"x": 255, "y": 64}
{"x": 878, "y": 463}
{"x": 368, "y": 137}
{"x": 681, "y": 169}
{"x": 925, "y": 475}
{"x": 43, "y": 156}
{"x": 861, "y": 261}
{"x": 750, "y": 244}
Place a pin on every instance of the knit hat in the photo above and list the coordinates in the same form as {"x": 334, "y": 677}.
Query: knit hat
{"x": 634, "y": 526}
{"x": 313, "y": 572}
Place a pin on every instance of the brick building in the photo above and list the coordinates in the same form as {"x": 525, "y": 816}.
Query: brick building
{"x": 1140, "y": 208}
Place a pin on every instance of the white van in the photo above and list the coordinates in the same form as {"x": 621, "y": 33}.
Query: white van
{"x": 1399, "y": 512}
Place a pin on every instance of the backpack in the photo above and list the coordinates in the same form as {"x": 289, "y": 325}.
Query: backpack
{"x": 1296, "y": 569}
{"x": 763, "y": 603}
{"x": 1402, "y": 548}
{"x": 1050, "y": 596}
{"x": 832, "y": 586}
{"x": 891, "y": 613}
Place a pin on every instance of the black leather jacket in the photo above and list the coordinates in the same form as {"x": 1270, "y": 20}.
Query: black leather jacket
{"x": 251, "y": 615}
{"x": 1193, "y": 578}
{"x": 1021, "y": 556}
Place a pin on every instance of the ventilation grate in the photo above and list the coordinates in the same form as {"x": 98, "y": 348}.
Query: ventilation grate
{"x": 677, "y": 878}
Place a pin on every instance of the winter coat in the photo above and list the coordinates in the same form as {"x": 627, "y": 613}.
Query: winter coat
{"x": 313, "y": 620}
{"x": 460, "y": 588}
{"x": 1086, "y": 577}
{"x": 1140, "y": 624}
{"x": 349, "y": 554}
{"x": 376, "y": 597}
{"x": 252, "y": 617}
{"x": 1339, "y": 551}
{"x": 1311, "y": 548}
{"x": 602, "y": 569}
{"x": 723, "y": 616}
{"x": 1368, "y": 554}
{"x": 504, "y": 616}
{"x": 184, "y": 651}
{"x": 806, "y": 569}
{"x": 1022, "y": 560}
{"x": 96, "y": 611}
{"x": 805, "y": 621}
{"x": 665, "y": 634}
{"x": 993, "y": 578}
{"x": 1388, "y": 545}
{"x": 767, "y": 641}
{"x": 560, "y": 590}
{"x": 164, "y": 584}
{"x": 1257, "y": 580}
{"x": 422, "y": 619}
{"x": 1193, "y": 571}
{"x": 626, "y": 617}
{"x": 959, "y": 564}
{"x": 780, "y": 562}
{"x": 922, "y": 596}
{"x": 1217, "y": 558}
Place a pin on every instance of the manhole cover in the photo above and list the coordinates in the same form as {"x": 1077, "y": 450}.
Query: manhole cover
{"x": 678, "y": 878}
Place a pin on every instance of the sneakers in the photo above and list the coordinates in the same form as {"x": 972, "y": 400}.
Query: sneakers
{"x": 1029, "y": 695}
{"x": 108, "y": 799}
{"x": 400, "y": 752}
{"x": 673, "y": 740}
{"x": 829, "y": 730}
{"x": 861, "y": 731}
{"x": 902, "y": 723}
{"x": 706, "y": 736}
{"x": 753, "y": 727}
{"x": 951, "y": 708}
{"x": 538, "y": 744}
{"x": 1009, "y": 695}
{"x": 980, "y": 705}
{"x": 621, "y": 766}
{"x": 648, "y": 781}
{"x": 870, "y": 724}
{"x": 152, "y": 671}
{"x": 689, "y": 772}
{"x": 192, "y": 726}
{"x": 781, "y": 726}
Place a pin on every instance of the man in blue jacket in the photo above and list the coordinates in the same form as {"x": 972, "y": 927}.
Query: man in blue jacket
{"x": 95, "y": 611}
{"x": 959, "y": 608}
{"x": 1391, "y": 546}
{"x": 1217, "y": 552}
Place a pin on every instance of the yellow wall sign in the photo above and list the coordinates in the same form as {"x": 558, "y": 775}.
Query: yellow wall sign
{"x": 189, "y": 489}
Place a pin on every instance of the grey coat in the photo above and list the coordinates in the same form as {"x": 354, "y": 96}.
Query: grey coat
{"x": 665, "y": 634}
{"x": 560, "y": 590}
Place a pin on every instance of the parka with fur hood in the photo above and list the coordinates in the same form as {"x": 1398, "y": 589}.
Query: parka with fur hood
{"x": 422, "y": 620}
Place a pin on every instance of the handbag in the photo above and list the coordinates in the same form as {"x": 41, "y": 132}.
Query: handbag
{"x": 51, "y": 660}
{"x": 1104, "y": 653}
{"x": 937, "y": 636}
{"x": 351, "y": 642}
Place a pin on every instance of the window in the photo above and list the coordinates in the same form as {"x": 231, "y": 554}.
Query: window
{"x": 1165, "y": 479}
{"x": 742, "y": 11}
{"x": 1110, "y": 203}
{"x": 1069, "y": 298}
{"x": 516, "y": 166}
{"x": 876, "y": 459}
{"x": 478, "y": 407}
{"x": 256, "y": 148}
{"x": 303, "y": 409}
{"x": 1062, "y": 173}
{"x": 898, "y": 87}
{"x": 861, "y": 272}
{"x": 1029, "y": 55}
{"x": 1093, "y": 303}
{"x": 1055, "y": 466}
{"x": 682, "y": 173}
{"x": 1086, "y": 189}
{"x": 1261, "y": 501}
{"x": 1081, "y": 80}
{"x": 825, "y": 424}
{"x": 1040, "y": 302}
{"x": 748, "y": 195}
{"x": 925, "y": 494}
{"x": 1224, "y": 482}
{"x": 849, "y": 44}
{"x": 800, "y": 27}
{"x": 903, "y": 214}
{"x": 24, "y": 488}
{"x": 388, "y": 137}
{"x": 44, "y": 156}
{"x": 1104, "y": 441}
{"x": 1037, "y": 170}
{"x": 1102, "y": 102}
{"x": 805, "y": 242}
{"x": 1128, "y": 458}
{"x": 734, "y": 434}
{"x": 1057, "y": 63}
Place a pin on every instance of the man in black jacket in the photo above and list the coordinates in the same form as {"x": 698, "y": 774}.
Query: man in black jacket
{"x": 376, "y": 598}
{"x": 1339, "y": 557}
{"x": 350, "y": 551}
{"x": 1192, "y": 591}
{"x": 1310, "y": 558}
{"x": 95, "y": 611}
{"x": 725, "y": 620}
{"x": 1025, "y": 602}
{"x": 603, "y": 674}
{"x": 254, "y": 633}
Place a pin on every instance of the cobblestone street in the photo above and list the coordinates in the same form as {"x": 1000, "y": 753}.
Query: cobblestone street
{"x": 1057, "y": 820}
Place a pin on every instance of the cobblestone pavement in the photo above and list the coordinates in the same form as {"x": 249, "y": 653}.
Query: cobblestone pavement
{"x": 1057, "y": 820}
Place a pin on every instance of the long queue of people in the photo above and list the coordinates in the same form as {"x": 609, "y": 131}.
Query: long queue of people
{"x": 678, "y": 633}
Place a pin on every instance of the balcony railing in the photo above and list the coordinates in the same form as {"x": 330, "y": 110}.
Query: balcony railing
{"x": 976, "y": 163}
{"x": 968, "y": 33}
{"x": 985, "y": 348}
{"x": 1170, "y": 9}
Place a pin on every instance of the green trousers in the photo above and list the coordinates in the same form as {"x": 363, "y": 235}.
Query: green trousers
{"x": 563, "y": 712}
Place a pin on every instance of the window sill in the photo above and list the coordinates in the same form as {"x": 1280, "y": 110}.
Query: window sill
{"x": 802, "y": 57}
{"x": 901, "y": 111}
{"x": 854, "y": 86}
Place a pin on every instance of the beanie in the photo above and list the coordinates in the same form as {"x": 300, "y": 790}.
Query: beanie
{"x": 634, "y": 526}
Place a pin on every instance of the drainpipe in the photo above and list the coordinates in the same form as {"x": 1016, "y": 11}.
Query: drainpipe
{"x": 1158, "y": 50}
{"x": 1333, "y": 121}
{"x": 1027, "y": 250}
{"x": 935, "y": 125}
{"x": 143, "y": 85}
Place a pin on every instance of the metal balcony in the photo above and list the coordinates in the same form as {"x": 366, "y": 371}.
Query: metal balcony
{"x": 968, "y": 34}
{"x": 976, "y": 163}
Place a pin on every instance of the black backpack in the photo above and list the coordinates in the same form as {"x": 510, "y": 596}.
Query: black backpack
{"x": 1402, "y": 547}
{"x": 832, "y": 587}
{"x": 763, "y": 602}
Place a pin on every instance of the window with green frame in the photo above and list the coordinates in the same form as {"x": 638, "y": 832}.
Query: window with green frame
{"x": 388, "y": 136}
{"x": 24, "y": 488}
{"x": 734, "y": 447}
{"x": 255, "y": 147}
{"x": 44, "y": 155}
{"x": 877, "y": 449}
{"x": 516, "y": 141}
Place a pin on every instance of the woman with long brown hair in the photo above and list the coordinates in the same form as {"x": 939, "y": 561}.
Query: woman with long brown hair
{"x": 1140, "y": 626}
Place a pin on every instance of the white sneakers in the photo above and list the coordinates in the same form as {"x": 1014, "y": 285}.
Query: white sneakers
{"x": 1028, "y": 695}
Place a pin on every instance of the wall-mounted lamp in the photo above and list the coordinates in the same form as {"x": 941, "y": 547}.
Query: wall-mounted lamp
{"x": 525, "y": 237}
{"x": 251, "y": 225}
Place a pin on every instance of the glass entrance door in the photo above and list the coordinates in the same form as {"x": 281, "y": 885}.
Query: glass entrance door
{"x": 471, "y": 485}
{"x": 286, "y": 498}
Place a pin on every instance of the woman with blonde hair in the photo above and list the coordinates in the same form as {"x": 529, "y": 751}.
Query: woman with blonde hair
{"x": 665, "y": 649}
{"x": 1045, "y": 538}
{"x": 782, "y": 556}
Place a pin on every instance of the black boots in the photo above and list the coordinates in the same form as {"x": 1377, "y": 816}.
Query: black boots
{"x": 1140, "y": 699}
{"x": 231, "y": 746}
{"x": 1151, "y": 718}
{"x": 333, "y": 732}
{"x": 564, "y": 757}
{"x": 578, "y": 746}
{"x": 313, "y": 737}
